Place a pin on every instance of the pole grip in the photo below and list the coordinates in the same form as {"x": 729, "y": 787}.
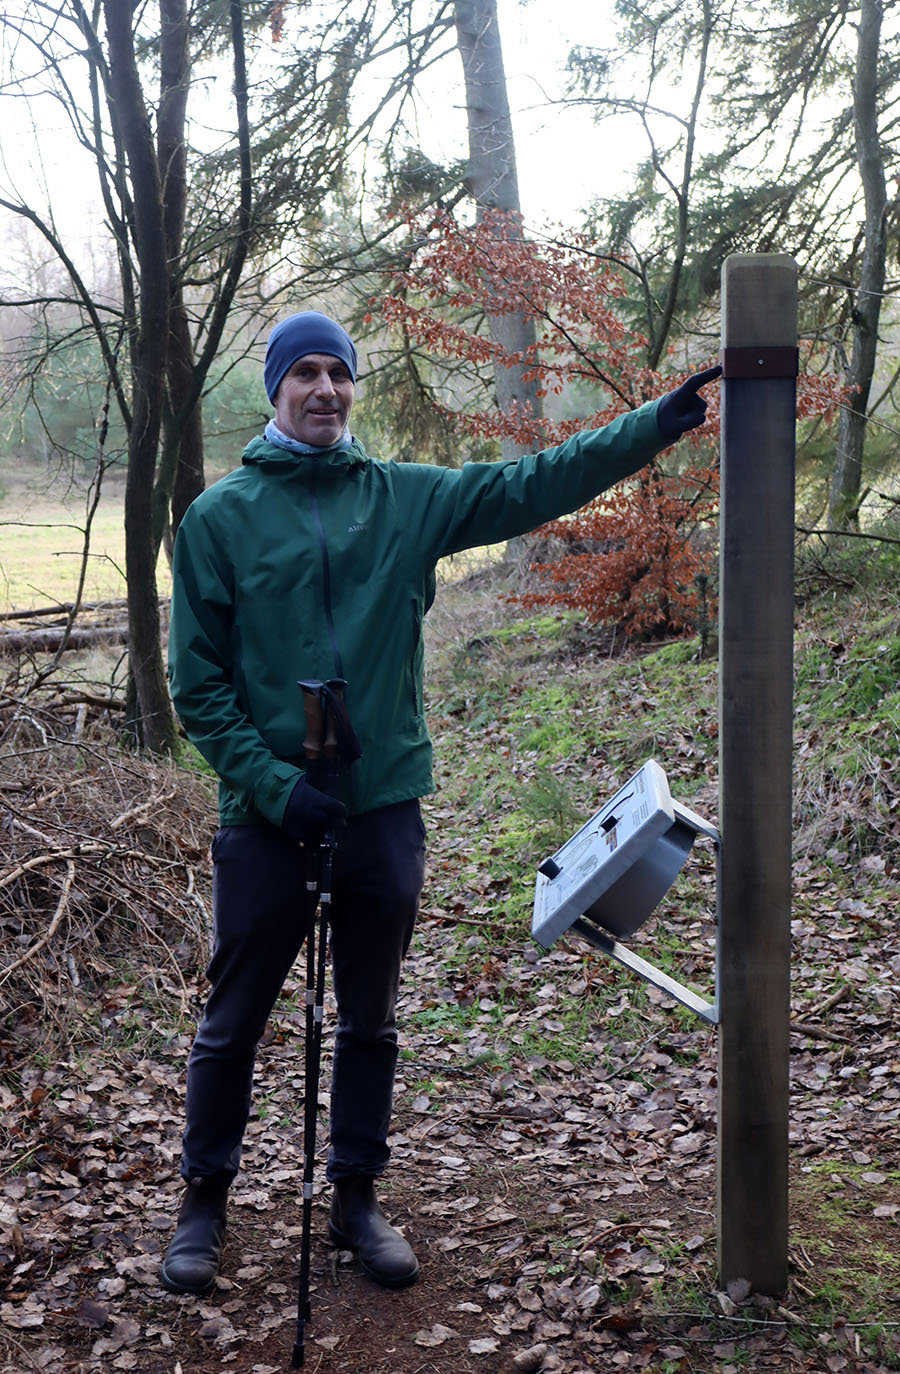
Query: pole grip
{"x": 334, "y": 707}
{"x": 314, "y": 742}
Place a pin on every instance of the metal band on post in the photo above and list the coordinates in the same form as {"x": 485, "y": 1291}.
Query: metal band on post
{"x": 761, "y": 363}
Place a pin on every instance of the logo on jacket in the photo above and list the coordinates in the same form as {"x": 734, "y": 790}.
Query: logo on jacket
{"x": 358, "y": 528}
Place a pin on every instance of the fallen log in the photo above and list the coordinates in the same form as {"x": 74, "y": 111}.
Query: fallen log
{"x": 48, "y": 641}
{"x": 89, "y": 699}
{"x": 63, "y": 608}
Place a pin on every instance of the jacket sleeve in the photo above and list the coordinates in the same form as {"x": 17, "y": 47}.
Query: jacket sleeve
{"x": 203, "y": 674}
{"x": 482, "y": 503}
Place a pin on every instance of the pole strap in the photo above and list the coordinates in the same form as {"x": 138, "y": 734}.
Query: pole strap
{"x": 764, "y": 363}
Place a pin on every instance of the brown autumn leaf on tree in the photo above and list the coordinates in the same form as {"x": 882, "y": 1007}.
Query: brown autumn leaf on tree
{"x": 641, "y": 555}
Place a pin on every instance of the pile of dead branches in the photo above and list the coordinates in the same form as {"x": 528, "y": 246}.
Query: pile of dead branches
{"x": 104, "y": 869}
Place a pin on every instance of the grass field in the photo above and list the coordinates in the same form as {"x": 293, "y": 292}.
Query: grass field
{"x": 42, "y": 541}
{"x": 42, "y": 521}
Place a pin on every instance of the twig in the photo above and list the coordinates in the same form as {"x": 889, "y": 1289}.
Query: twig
{"x": 816, "y": 1033}
{"x": 156, "y": 800}
{"x": 30, "y": 829}
{"x": 84, "y": 851}
{"x": 20, "y": 1159}
{"x": 450, "y": 920}
{"x": 39, "y": 860}
{"x": 51, "y": 929}
{"x": 89, "y": 699}
{"x": 489, "y": 1225}
{"x": 194, "y": 896}
{"x": 64, "y": 608}
{"x": 848, "y": 534}
{"x": 840, "y": 995}
{"x": 624, "y": 1228}
{"x": 185, "y": 996}
{"x": 44, "y": 800}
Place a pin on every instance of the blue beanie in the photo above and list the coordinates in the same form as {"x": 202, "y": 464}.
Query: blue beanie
{"x": 308, "y": 332}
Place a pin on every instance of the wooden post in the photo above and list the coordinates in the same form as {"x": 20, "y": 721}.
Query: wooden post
{"x": 759, "y": 335}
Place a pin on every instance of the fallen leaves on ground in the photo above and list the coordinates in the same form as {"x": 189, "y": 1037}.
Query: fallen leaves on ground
{"x": 553, "y": 1146}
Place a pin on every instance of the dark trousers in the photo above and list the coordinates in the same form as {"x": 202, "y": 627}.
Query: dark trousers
{"x": 262, "y": 917}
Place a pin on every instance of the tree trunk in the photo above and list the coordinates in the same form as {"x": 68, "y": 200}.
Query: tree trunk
{"x": 492, "y": 178}
{"x": 182, "y": 458}
{"x": 154, "y": 720}
{"x": 180, "y": 477}
{"x": 843, "y": 512}
{"x": 189, "y": 472}
{"x": 661, "y": 316}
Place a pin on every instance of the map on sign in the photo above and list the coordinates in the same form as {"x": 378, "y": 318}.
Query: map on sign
{"x": 620, "y": 864}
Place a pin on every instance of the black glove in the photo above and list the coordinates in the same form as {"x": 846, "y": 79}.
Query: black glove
{"x": 309, "y": 813}
{"x": 684, "y": 408}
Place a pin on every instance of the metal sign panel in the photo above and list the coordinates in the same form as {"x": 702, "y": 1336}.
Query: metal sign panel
{"x": 604, "y": 850}
{"x": 609, "y": 877}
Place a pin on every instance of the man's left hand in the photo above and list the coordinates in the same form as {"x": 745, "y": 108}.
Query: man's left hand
{"x": 684, "y": 408}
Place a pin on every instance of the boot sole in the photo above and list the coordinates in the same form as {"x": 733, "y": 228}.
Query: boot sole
{"x": 182, "y": 1290}
{"x": 343, "y": 1243}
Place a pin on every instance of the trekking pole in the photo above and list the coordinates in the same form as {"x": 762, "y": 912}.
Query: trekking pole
{"x": 323, "y": 704}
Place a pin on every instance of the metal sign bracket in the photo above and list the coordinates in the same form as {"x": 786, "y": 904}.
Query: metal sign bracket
{"x": 709, "y": 1011}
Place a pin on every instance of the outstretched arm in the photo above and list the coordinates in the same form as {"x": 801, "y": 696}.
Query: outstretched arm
{"x": 482, "y": 503}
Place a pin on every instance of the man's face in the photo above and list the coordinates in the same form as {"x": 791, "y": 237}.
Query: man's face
{"x": 314, "y": 400}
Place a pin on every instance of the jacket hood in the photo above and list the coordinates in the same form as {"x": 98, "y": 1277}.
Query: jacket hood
{"x": 260, "y": 453}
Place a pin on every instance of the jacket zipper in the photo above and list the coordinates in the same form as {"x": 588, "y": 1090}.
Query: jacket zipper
{"x": 326, "y": 579}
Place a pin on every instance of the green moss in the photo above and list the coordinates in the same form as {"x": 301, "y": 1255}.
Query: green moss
{"x": 852, "y": 680}
{"x": 551, "y": 628}
{"x": 859, "y": 1279}
{"x": 190, "y": 757}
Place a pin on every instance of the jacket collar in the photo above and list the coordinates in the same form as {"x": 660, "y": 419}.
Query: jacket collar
{"x": 260, "y": 453}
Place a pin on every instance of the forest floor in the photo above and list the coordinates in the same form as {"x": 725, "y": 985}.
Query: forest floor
{"x": 554, "y": 1142}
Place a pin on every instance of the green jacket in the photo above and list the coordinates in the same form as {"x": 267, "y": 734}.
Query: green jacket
{"x": 321, "y": 566}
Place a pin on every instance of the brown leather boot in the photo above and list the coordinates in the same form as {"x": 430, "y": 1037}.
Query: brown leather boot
{"x": 358, "y": 1223}
{"x": 193, "y": 1258}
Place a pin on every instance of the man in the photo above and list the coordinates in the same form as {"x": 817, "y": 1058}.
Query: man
{"x": 314, "y": 561}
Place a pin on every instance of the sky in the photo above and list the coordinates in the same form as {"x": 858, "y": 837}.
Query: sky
{"x": 562, "y": 157}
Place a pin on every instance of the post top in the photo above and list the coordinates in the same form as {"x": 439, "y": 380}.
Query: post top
{"x": 737, "y": 262}
{"x": 759, "y": 300}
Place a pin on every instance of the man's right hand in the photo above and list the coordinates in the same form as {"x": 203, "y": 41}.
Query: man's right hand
{"x": 684, "y": 408}
{"x": 309, "y": 813}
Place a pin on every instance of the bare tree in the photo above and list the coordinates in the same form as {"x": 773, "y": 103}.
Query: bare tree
{"x": 188, "y": 217}
{"x": 652, "y": 230}
{"x": 144, "y": 190}
{"x": 149, "y": 329}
